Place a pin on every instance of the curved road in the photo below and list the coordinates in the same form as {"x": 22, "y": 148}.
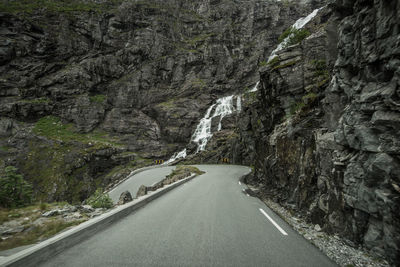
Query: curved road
{"x": 208, "y": 221}
{"x": 148, "y": 178}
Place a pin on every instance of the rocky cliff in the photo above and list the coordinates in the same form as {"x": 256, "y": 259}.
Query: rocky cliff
{"x": 322, "y": 131}
{"x": 93, "y": 89}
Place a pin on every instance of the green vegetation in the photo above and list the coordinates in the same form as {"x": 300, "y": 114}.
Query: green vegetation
{"x": 168, "y": 104}
{"x": 182, "y": 169}
{"x": 52, "y": 128}
{"x": 14, "y": 190}
{"x": 98, "y": 98}
{"x": 274, "y": 61}
{"x": 294, "y": 36}
{"x": 37, "y": 232}
{"x": 100, "y": 200}
{"x": 30, "y": 6}
{"x": 199, "y": 83}
{"x": 321, "y": 72}
{"x": 296, "y": 107}
{"x": 285, "y": 34}
{"x": 41, "y": 100}
{"x": 309, "y": 98}
{"x": 263, "y": 63}
{"x": 290, "y": 63}
{"x": 199, "y": 38}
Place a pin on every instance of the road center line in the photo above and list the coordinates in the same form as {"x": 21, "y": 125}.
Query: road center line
{"x": 273, "y": 222}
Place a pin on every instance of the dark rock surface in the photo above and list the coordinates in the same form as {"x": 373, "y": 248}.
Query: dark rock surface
{"x": 125, "y": 198}
{"x": 322, "y": 132}
{"x": 120, "y": 78}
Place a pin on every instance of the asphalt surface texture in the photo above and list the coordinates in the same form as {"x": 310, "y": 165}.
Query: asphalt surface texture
{"x": 209, "y": 221}
{"x": 148, "y": 178}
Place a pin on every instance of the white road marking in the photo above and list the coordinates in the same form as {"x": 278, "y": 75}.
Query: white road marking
{"x": 273, "y": 222}
{"x": 240, "y": 183}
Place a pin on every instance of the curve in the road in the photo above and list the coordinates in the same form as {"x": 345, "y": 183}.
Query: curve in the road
{"x": 147, "y": 177}
{"x": 209, "y": 221}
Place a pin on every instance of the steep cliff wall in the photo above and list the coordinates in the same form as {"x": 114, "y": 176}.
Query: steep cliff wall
{"x": 93, "y": 89}
{"x": 322, "y": 132}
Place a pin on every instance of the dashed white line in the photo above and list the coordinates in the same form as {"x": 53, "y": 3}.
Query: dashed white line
{"x": 273, "y": 222}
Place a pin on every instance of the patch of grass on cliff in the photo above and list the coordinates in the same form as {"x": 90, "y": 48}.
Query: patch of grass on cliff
{"x": 294, "y": 36}
{"x": 98, "y": 98}
{"x": 263, "y": 63}
{"x": 53, "y": 128}
{"x": 41, "y": 100}
{"x": 36, "y": 233}
{"x": 30, "y": 6}
{"x": 199, "y": 38}
{"x": 288, "y": 64}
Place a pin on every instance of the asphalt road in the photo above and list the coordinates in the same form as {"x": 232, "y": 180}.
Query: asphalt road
{"x": 148, "y": 177}
{"x": 208, "y": 221}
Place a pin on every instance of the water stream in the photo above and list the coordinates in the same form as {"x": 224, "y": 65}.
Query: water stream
{"x": 224, "y": 106}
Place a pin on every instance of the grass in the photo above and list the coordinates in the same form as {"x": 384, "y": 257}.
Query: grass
{"x": 30, "y": 6}
{"x": 98, "y": 99}
{"x": 36, "y": 233}
{"x": 274, "y": 61}
{"x": 263, "y": 63}
{"x": 294, "y": 36}
{"x": 29, "y": 211}
{"x": 290, "y": 63}
{"x": 41, "y": 100}
{"x": 53, "y": 128}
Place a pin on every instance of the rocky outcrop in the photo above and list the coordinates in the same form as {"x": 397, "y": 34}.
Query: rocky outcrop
{"x": 120, "y": 77}
{"x": 322, "y": 131}
{"x": 124, "y": 198}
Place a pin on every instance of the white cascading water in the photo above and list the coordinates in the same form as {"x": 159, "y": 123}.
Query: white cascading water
{"x": 224, "y": 105}
{"x": 300, "y": 23}
{"x": 203, "y": 130}
{"x": 239, "y": 103}
{"x": 179, "y": 155}
{"x": 255, "y": 87}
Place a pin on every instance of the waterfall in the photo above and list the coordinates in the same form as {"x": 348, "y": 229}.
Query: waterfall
{"x": 300, "y": 23}
{"x": 255, "y": 88}
{"x": 203, "y": 130}
{"x": 202, "y": 134}
{"x": 224, "y": 106}
{"x": 179, "y": 155}
{"x": 239, "y": 103}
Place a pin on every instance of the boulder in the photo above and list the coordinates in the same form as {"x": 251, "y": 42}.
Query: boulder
{"x": 125, "y": 197}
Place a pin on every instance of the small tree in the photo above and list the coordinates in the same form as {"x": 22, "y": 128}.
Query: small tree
{"x": 14, "y": 190}
{"x": 100, "y": 200}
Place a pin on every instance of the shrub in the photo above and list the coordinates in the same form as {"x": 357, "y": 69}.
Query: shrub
{"x": 98, "y": 98}
{"x": 297, "y": 36}
{"x": 14, "y": 190}
{"x": 263, "y": 63}
{"x": 100, "y": 200}
{"x": 274, "y": 61}
{"x": 293, "y": 36}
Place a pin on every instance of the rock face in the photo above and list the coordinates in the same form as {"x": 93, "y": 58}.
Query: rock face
{"x": 84, "y": 84}
{"x": 322, "y": 132}
{"x": 124, "y": 198}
